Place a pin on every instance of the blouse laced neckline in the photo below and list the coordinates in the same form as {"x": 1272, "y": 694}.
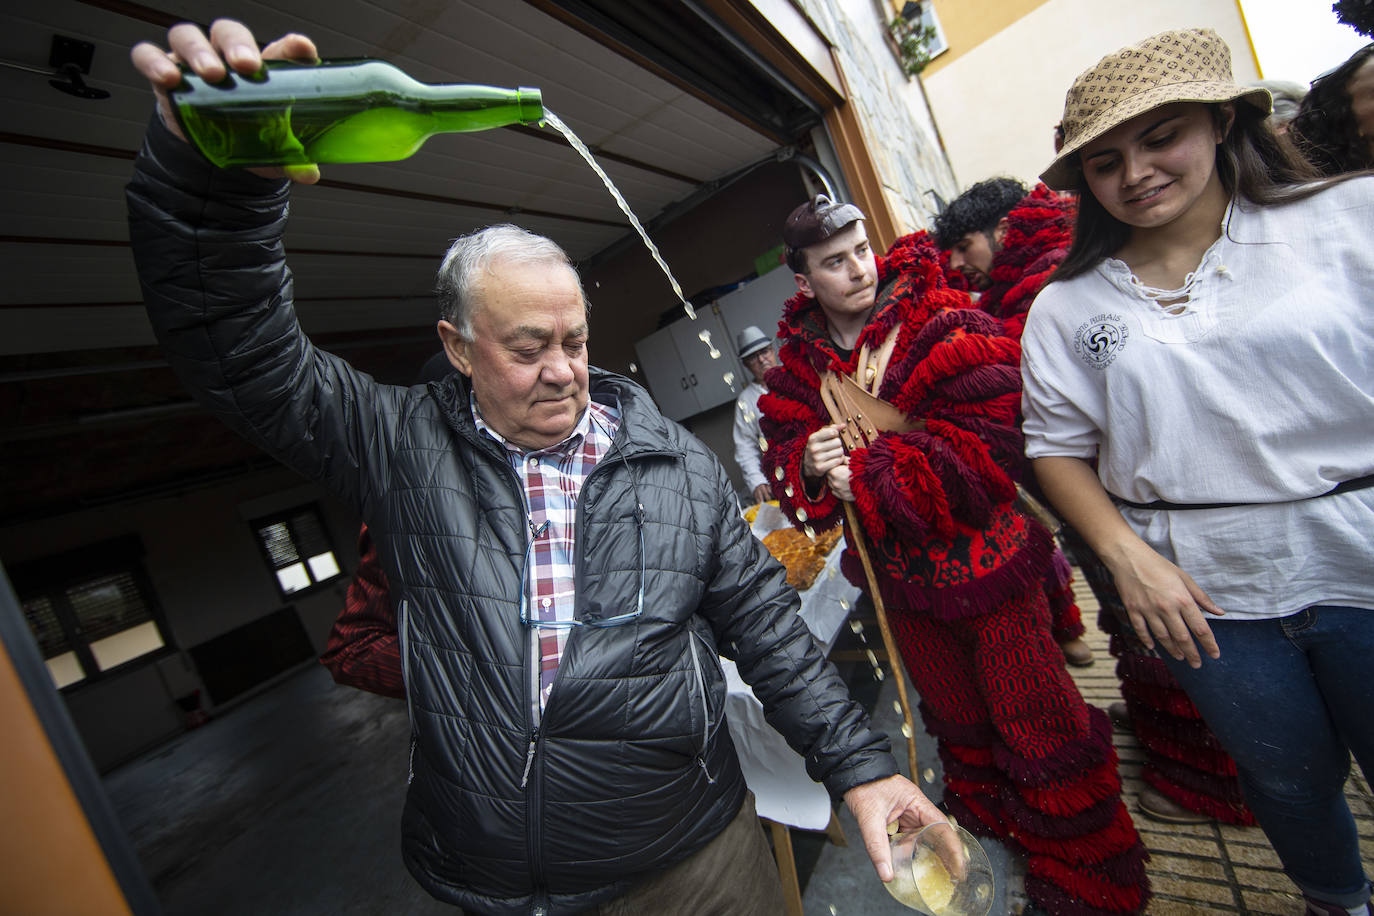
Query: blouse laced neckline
{"x": 1170, "y": 300}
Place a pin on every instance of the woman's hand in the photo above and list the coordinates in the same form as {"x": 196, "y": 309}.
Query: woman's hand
{"x": 1164, "y": 604}
{"x": 230, "y": 44}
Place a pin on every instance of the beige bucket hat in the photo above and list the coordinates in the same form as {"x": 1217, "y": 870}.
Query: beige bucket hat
{"x": 1187, "y": 65}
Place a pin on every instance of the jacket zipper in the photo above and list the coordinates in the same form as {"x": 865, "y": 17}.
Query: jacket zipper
{"x": 531, "y": 779}
{"x": 706, "y": 722}
{"x": 402, "y": 627}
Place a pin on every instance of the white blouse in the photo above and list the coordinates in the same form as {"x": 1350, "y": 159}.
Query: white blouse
{"x": 1252, "y": 383}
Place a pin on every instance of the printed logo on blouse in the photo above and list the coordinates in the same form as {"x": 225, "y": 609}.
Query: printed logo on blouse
{"x": 1100, "y": 340}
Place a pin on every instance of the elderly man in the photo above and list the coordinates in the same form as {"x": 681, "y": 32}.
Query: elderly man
{"x": 756, "y": 350}
{"x": 959, "y": 569}
{"x": 565, "y": 563}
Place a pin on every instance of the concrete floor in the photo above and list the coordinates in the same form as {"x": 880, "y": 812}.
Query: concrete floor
{"x": 289, "y": 805}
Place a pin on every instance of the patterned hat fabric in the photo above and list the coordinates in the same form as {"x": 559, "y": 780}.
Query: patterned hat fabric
{"x": 1189, "y": 65}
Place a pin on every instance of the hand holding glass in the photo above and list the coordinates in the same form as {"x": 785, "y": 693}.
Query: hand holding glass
{"x": 940, "y": 870}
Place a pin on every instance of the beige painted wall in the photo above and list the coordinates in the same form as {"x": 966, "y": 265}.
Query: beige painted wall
{"x": 997, "y": 103}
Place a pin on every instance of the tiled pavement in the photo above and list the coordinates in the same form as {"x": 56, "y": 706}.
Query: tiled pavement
{"x": 1208, "y": 868}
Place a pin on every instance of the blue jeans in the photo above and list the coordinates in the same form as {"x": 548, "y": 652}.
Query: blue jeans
{"x": 1290, "y": 699}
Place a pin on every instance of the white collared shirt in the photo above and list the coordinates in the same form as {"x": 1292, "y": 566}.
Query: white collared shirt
{"x": 1259, "y": 389}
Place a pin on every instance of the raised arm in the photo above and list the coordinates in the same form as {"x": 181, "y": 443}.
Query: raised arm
{"x": 207, "y": 244}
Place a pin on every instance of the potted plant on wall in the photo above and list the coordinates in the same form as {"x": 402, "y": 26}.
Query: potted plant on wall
{"x": 914, "y": 38}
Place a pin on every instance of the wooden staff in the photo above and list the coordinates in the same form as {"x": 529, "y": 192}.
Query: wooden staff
{"x": 893, "y": 657}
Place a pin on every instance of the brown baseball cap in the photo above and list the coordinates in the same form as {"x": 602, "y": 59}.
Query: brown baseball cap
{"x": 1187, "y": 65}
{"x": 817, "y": 220}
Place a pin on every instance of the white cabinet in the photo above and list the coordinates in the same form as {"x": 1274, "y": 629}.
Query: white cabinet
{"x": 682, "y": 375}
{"x": 758, "y": 302}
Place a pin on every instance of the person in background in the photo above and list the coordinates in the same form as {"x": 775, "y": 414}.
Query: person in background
{"x": 1206, "y": 343}
{"x": 756, "y": 350}
{"x": 1007, "y": 270}
{"x": 959, "y": 568}
{"x": 1334, "y": 126}
{"x": 567, "y": 752}
{"x": 1287, "y": 96}
{"x": 972, "y": 227}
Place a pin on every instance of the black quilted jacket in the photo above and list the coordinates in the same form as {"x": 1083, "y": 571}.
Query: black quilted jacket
{"x": 631, "y": 767}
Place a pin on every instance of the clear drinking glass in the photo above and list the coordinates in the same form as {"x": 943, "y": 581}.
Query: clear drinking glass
{"x": 940, "y": 870}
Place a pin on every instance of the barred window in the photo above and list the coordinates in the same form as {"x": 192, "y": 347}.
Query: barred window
{"x": 90, "y": 611}
{"x": 297, "y": 549}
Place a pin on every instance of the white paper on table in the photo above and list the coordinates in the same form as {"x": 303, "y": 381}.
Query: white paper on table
{"x": 775, "y": 773}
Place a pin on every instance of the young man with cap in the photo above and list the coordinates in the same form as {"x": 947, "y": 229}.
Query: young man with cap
{"x": 959, "y": 569}
{"x": 757, "y": 353}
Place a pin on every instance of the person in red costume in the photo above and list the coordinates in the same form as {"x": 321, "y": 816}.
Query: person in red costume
{"x": 959, "y": 568}
{"x": 1008, "y": 242}
{"x": 998, "y": 262}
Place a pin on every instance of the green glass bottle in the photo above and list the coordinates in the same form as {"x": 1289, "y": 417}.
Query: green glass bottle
{"x": 353, "y": 110}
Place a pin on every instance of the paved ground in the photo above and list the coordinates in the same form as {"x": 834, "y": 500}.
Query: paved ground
{"x": 1208, "y": 868}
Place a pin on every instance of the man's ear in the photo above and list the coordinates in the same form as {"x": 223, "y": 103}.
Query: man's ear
{"x": 804, "y": 285}
{"x": 455, "y": 347}
{"x": 999, "y": 232}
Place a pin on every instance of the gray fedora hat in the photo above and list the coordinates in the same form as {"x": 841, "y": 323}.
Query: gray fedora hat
{"x": 750, "y": 341}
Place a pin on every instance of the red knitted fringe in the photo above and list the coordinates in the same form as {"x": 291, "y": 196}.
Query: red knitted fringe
{"x": 1224, "y": 786}
{"x": 1058, "y": 902}
{"x": 1029, "y": 820}
{"x": 1123, "y": 890}
{"x": 968, "y": 599}
{"x": 977, "y": 814}
{"x": 1066, "y": 761}
{"x": 973, "y": 756}
{"x": 1068, "y": 800}
{"x": 1117, "y": 837}
{"x": 1173, "y": 702}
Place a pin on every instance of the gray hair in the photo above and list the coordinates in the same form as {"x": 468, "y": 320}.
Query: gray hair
{"x": 471, "y": 257}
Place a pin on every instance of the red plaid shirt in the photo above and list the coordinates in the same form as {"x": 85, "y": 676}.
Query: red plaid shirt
{"x": 553, "y": 478}
{"x": 363, "y": 649}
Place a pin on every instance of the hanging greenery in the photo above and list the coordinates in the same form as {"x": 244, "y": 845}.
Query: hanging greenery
{"x": 1358, "y": 14}
{"x": 914, "y": 41}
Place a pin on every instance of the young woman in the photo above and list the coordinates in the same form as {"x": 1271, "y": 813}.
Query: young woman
{"x": 1207, "y": 341}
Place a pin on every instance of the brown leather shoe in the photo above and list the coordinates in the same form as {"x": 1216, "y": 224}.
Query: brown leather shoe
{"x": 1157, "y": 806}
{"x": 1120, "y": 714}
{"x": 1077, "y": 652}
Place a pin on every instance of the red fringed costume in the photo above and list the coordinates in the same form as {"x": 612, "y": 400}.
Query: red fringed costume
{"x": 1182, "y": 758}
{"x": 961, "y": 573}
{"x": 1039, "y": 230}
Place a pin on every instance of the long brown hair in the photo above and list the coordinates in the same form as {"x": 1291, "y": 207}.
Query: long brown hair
{"x": 1252, "y": 161}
